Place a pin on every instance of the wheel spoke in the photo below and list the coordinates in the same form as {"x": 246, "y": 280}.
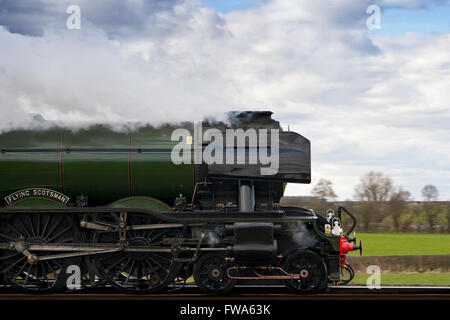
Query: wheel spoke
{"x": 31, "y": 224}
{"x": 135, "y": 271}
{"x": 20, "y": 269}
{"x": 210, "y": 274}
{"x": 59, "y": 234}
{"x": 158, "y": 264}
{"x": 44, "y": 229}
{"x": 28, "y": 274}
{"x": 6, "y": 237}
{"x": 41, "y": 276}
{"x": 14, "y": 264}
{"x": 123, "y": 266}
{"x": 153, "y": 270}
{"x": 10, "y": 256}
{"x": 129, "y": 274}
{"x": 51, "y": 268}
{"x": 24, "y": 227}
{"x": 20, "y": 234}
{"x": 44, "y": 270}
{"x": 315, "y": 272}
{"x": 54, "y": 227}
{"x": 38, "y": 227}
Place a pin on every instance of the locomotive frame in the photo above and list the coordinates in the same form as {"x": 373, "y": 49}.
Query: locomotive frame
{"x": 182, "y": 236}
{"x": 232, "y": 230}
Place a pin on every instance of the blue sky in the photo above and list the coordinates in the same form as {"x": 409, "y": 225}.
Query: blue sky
{"x": 225, "y": 6}
{"x": 394, "y": 21}
{"x": 398, "y": 21}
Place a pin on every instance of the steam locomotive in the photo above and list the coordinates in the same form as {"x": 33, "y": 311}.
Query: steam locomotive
{"x": 140, "y": 208}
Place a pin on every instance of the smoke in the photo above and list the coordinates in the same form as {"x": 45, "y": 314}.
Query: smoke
{"x": 149, "y": 75}
{"x": 313, "y": 63}
{"x": 159, "y": 61}
{"x": 213, "y": 237}
{"x": 97, "y": 85}
{"x": 305, "y": 238}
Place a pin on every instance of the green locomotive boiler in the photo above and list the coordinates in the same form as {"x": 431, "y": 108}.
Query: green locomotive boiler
{"x": 141, "y": 207}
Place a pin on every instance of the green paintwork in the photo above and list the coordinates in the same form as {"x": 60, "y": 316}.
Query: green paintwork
{"x": 97, "y": 162}
{"x": 334, "y": 240}
{"x": 141, "y": 202}
{"x": 20, "y": 169}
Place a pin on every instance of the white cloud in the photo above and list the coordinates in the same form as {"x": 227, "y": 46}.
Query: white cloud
{"x": 366, "y": 103}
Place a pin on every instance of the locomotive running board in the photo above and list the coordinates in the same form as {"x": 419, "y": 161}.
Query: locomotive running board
{"x": 100, "y": 227}
{"x": 188, "y": 217}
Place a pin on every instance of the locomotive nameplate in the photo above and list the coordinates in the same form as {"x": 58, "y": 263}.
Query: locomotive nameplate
{"x": 36, "y": 193}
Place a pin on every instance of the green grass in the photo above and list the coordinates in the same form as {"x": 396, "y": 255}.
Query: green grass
{"x": 424, "y": 279}
{"x": 384, "y": 244}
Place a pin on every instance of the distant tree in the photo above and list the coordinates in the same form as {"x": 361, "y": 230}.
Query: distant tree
{"x": 448, "y": 217}
{"x": 430, "y": 193}
{"x": 324, "y": 190}
{"x": 398, "y": 202}
{"x": 413, "y": 216}
{"x": 374, "y": 189}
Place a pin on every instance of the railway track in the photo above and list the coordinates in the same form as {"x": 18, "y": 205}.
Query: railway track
{"x": 249, "y": 293}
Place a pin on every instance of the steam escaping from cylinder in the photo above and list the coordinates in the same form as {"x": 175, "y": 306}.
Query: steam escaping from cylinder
{"x": 303, "y": 237}
{"x": 213, "y": 237}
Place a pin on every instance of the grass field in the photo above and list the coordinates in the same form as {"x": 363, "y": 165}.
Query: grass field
{"x": 384, "y": 244}
{"x": 424, "y": 279}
